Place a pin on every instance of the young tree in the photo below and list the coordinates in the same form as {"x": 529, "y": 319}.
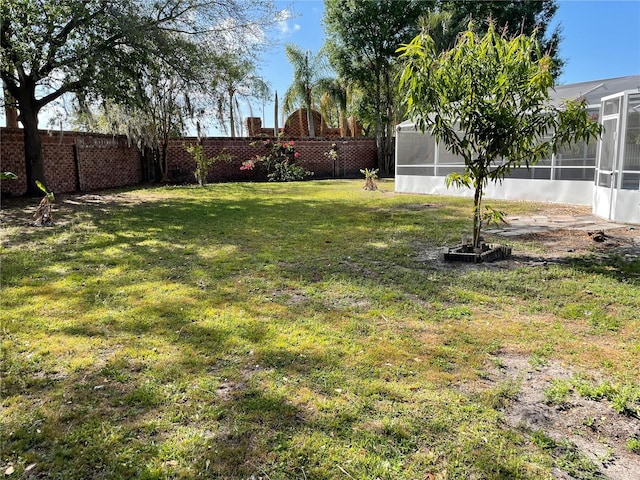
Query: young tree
{"x": 53, "y": 47}
{"x": 487, "y": 99}
{"x": 307, "y": 69}
{"x": 204, "y": 163}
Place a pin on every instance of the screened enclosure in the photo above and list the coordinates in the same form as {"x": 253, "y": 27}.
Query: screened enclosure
{"x": 604, "y": 173}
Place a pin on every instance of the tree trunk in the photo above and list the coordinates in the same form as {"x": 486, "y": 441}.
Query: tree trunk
{"x": 231, "y": 119}
{"x": 388, "y": 148}
{"x": 310, "y": 123}
{"x": 34, "y": 162}
{"x": 301, "y": 123}
{"x": 165, "y": 167}
{"x": 344, "y": 123}
{"x": 477, "y": 214}
{"x": 275, "y": 116}
{"x": 387, "y": 127}
{"x": 380, "y": 141}
{"x": 162, "y": 156}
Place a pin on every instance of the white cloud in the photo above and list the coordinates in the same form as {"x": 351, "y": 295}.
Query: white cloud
{"x": 288, "y": 29}
{"x": 284, "y": 17}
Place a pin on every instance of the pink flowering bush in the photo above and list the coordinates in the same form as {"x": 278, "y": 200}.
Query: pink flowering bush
{"x": 278, "y": 160}
{"x": 248, "y": 165}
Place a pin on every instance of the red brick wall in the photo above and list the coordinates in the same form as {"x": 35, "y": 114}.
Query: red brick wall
{"x": 99, "y": 161}
{"x": 297, "y": 124}
{"x": 181, "y": 165}
{"x": 59, "y": 164}
{"x": 107, "y": 162}
{"x": 12, "y": 160}
{"x": 104, "y": 161}
{"x": 354, "y": 154}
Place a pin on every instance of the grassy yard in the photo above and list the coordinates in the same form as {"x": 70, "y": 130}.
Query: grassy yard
{"x": 290, "y": 331}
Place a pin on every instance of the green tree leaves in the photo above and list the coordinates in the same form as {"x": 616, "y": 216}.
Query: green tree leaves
{"x": 307, "y": 71}
{"x": 488, "y": 100}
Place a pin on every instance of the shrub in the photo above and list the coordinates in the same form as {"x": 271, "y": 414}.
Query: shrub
{"x": 279, "y": 161}
{"x": 204, "y": 163}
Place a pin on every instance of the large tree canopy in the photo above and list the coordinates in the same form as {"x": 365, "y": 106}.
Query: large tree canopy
{"x": 362, "y": 38}
{"x": 49, "y": 48}
{"x": 487, "y": 100}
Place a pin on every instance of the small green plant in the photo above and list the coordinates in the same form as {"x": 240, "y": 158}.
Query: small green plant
{"x": 49, "y": 195}
{"x": 540, "y": 356}
{"x": 332, "y": 154}
{"x": 370, "y": 175}
{"x": 204, "y": 163}
{"x": 586, "y": 390}
{"x": 624, "y": 398}
{"x": 574, "y": 462}
{"x": 537, "y": 361}
{"x": 8, "y": 176}
{"x": 558, "y": 392}
{"x": 43, "y": 212}
{"x": 608, "y": 456}
{"x": 499, "y": 396}
{"x": 633, "y": 444}
{"x": 567, "y": 456}
{"x": 542, "y": 440}
{"x": 498, "y": 362}
{"x": 589, "y": 422}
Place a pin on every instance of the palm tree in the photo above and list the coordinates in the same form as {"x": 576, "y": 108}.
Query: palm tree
{"x": 442, "y": 28}
{"x": 335, "y": 93}
{"x": 306, "y": 70}
{"x": 236, "y": 78}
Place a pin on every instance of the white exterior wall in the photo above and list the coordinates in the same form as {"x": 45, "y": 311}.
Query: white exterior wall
{"x": 627, "y": 207}
{"x": 619, "y": 205}
{"x": 552, "y": 191}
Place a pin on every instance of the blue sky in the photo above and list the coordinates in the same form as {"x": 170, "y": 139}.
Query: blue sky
{"x": 601, "y": 39}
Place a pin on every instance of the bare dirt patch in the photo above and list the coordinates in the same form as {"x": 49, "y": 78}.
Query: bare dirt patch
{"x": 592, "y": 427}
{"x": 19, "y": 211}
{"x": 550, "y": 246}
{"x": 561, "y": 245}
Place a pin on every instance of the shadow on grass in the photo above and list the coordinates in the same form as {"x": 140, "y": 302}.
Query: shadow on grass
{"x": 119, "y": 420}
{"x": 613, "y": 265}
{"x": 190, "y": 350}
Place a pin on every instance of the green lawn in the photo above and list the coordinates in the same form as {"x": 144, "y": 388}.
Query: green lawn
{"x": 285, "y": 331}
